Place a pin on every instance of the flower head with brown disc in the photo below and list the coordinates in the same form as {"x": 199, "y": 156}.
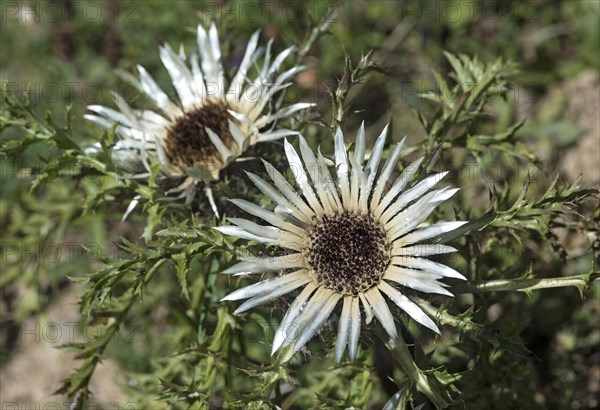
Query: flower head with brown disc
{"x": 350, "y": 241}
{"x": 213, "y": 122}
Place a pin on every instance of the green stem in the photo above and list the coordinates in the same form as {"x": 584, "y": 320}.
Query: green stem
{"x": 447, "y": 129}
{"x": 445, "y": 318}
{"x": 314, "y": 35}
{"x": 200, "y": 285}
{"x": 402, "y": 355}
{"x": 526, "y": 285}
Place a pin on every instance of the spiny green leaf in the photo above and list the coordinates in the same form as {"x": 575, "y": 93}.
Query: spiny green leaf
{"x": 181, "y": 268}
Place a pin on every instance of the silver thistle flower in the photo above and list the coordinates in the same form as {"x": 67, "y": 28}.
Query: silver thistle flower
{"x": 212, "y": 124}
{"x": 351, "y": 241}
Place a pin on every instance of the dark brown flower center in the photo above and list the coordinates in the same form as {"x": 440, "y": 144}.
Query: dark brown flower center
{"x": 188, "y": 143}
{"x": 347, "y": 252}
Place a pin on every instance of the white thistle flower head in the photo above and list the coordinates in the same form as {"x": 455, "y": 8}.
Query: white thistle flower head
{"x": 213, "y": 123}
{"x": 350, "y": 241}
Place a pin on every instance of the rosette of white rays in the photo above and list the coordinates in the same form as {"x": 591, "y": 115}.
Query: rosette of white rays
{"x": 213, "y": 121}
{"x": 356, "y": 240}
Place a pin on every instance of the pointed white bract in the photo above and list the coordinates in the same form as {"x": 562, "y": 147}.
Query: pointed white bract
{"x": 352, "y": 238}
{"x": 212, "y": 121}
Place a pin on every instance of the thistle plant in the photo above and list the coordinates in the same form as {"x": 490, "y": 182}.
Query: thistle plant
{"x": 255, "y": 304}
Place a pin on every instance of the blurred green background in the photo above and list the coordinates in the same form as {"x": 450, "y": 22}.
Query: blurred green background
{"x": 60, "y": 52}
